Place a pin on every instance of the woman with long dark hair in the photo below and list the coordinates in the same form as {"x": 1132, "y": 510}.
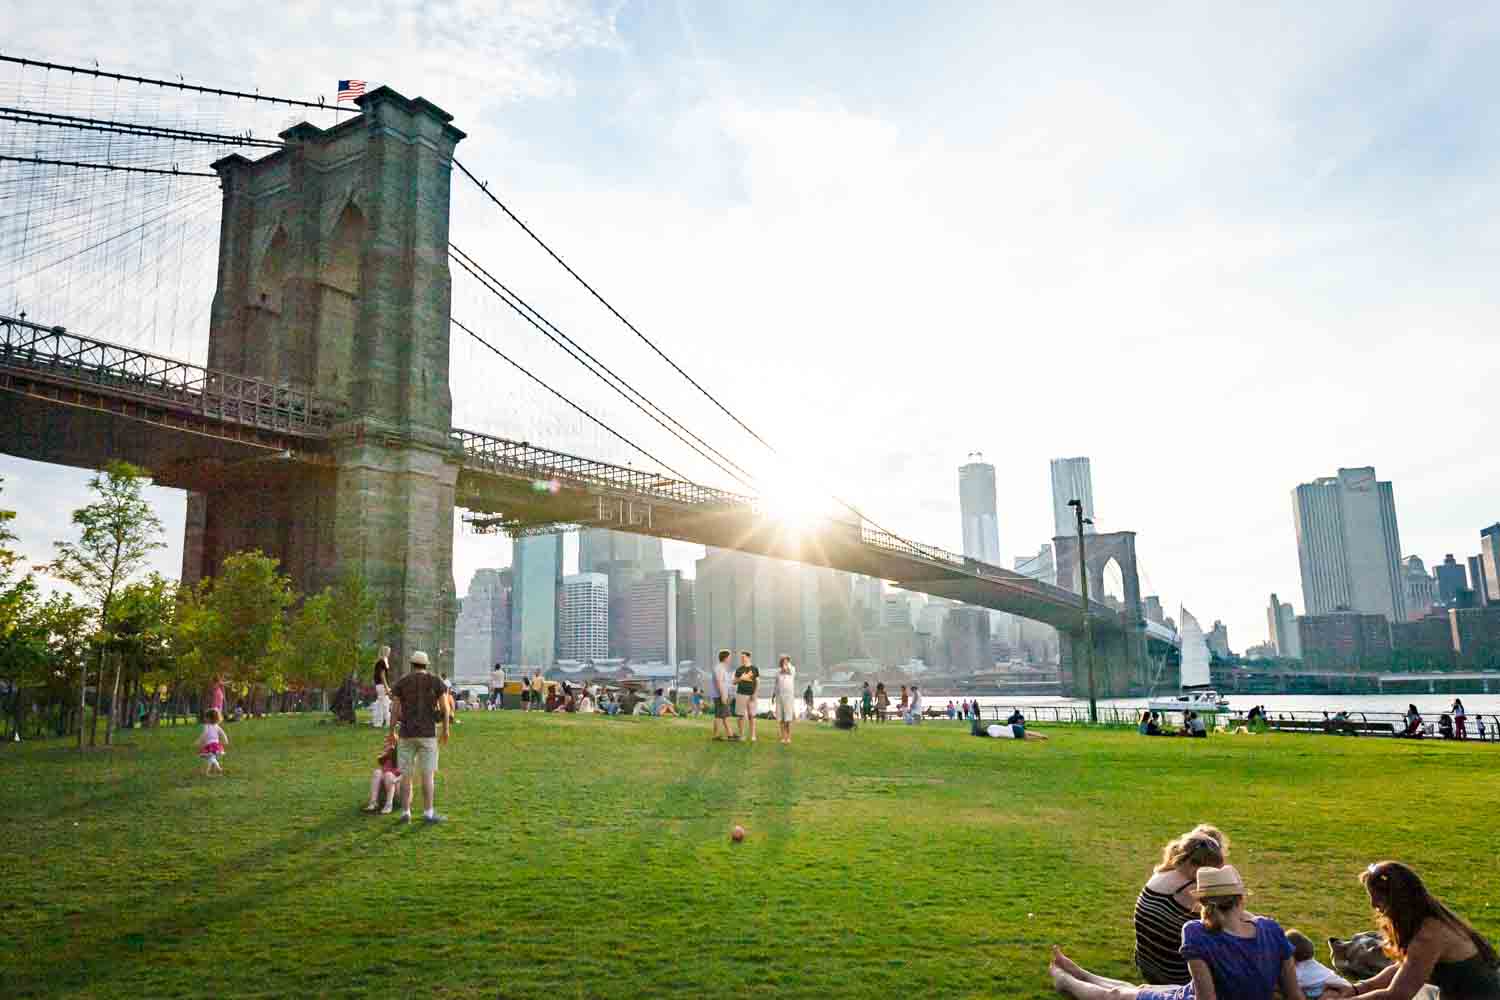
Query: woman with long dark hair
{"x": 1429, "y": 943}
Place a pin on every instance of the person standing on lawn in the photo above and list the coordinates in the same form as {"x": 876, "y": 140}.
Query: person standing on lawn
{"x": 421, "y": 700}
{"x": 866, "y": 703}
{"x": 745, "y": 680}
{"x": 497, "y": 687}
{"x": 721, "y": 686}
{"x": 785, "y": 695}
{"x": 380, "y": 717}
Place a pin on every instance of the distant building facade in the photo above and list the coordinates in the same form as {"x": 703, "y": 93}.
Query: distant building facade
{"x": 1489, "y": 562}
{"x": 1451, "y": 580}
{"x": 654, "y": 603}
{"x": 1476, "y": 636}
{"x": 1348, "y": 546}
{"x": 976, "y": 504}
{"x": 763, "y": 605}
{"x": 584, "y": 616}
{"x": 482, "y": 631}
{"x": 1421, "y": 589}
{"x": 1424, "y": 644}
{"x": 1072, "y": 479}
{"x": 1344, "y": 639}
{"x": 1281, "y": 620}
{"x": 536, "y": 568}
{"x": 1482, "y": 596}
{"x": 966, "y": 636}
{"x": 1218, "y": 640}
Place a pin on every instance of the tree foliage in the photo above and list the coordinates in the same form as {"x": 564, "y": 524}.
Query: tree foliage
{"x": 234, "y": 625}
{"x": 116, "y": 535}
{"x": 328, "y": 638}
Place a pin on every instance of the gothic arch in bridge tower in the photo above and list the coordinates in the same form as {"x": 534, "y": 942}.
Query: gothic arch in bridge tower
{"x": 342, "y": 249}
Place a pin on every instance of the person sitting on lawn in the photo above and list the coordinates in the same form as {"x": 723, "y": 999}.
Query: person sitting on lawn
{"x": 385, "y": 780}
{"x": 843, "y": 716}
{"x": 1165, "y": 903}
{"x": 660, "y": 705}
{"x": 1313, "y": 976}
{"x": 1231, "y": 954}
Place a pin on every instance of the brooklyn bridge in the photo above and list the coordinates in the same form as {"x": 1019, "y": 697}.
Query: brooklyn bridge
{"x": 318, "y": 425}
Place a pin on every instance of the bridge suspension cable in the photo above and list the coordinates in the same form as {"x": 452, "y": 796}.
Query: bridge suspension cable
{"x": 178, "y": 84}
{"x": 485, "y": 190}
{"x": 599, "y": 369}
{"x": 518, "y": 367}
{"x": 82, "y": 123}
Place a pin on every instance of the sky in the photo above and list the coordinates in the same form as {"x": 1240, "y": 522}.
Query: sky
{"x": 1221, "y": 251}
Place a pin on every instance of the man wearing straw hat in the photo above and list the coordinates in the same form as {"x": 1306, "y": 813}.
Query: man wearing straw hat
{"x": 420, "y": 702}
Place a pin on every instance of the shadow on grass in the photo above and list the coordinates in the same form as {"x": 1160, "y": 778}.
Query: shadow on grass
{"x": 197, "y": 915}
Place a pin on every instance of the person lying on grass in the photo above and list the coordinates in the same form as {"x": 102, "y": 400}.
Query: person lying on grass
{"x": 1231, "y": 954}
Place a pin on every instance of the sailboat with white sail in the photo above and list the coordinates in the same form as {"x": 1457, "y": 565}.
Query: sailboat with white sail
{"x": 1197, "y": 694}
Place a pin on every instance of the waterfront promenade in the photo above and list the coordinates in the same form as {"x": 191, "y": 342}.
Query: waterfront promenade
{"x": 590, "y": 857}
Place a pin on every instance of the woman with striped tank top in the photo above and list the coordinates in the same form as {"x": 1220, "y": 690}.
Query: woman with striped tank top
{"x": 1166, "y": 903}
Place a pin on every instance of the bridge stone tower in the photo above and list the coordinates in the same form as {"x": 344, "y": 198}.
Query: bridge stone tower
{"x": 333, "y": 276}
{"x": 1119, "y": 657}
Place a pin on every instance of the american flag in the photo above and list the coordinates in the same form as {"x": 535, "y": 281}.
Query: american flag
{"x": 350, "y": 89}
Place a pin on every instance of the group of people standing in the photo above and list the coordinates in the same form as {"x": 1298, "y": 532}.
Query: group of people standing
{"x": 1195, "y": 939}
{"x": 736, "y": 694}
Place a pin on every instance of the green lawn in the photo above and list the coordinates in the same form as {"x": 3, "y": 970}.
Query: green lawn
{"x": 588, "y": 857}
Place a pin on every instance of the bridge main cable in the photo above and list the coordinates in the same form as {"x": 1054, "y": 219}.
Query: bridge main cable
{"x": 501, "y": 291}
{"x": 178, "y": 84}
{"x": 562, "y": 396}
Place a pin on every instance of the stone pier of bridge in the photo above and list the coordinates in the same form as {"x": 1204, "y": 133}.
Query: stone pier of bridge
{"x": 333, "y": 275}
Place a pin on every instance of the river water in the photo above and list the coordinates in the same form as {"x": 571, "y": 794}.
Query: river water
{"x": 1431, "y": 706}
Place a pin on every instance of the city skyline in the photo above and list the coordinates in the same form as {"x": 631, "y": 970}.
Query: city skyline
{"x": 693, "y": 153}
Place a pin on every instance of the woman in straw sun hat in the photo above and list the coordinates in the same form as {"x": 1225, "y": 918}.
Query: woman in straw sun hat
{"x": 1231, "y": 954}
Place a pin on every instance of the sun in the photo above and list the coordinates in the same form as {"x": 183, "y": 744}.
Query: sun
{"x": 795, "y": 503}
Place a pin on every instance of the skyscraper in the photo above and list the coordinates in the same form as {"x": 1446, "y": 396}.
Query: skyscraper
{"x": 1482, "y": 596}
{"x": 584, "y": 614}
{"x": 1489, "y": 561}
{"x": 654, "y": 605}
{"x": 1421, "y": 589}
{"x": 1071, "y": 480}
{"x": 537, "y": 577}
{"x": 1451, "y": 578}
{"x": 482, "y": 631}
{"x": 976, "y": 502}
{"x": 766, "y": 606}
{"x": 626, "y": 559}
{"x": 1281, "y": 621}
{"x": 1348, "y": 546}
{"x": 597, "y": 546}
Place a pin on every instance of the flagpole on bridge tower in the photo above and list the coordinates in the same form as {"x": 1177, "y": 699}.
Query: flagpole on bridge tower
{"x": 1088, "y": 625}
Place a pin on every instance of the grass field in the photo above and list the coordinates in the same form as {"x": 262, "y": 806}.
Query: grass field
{"x": 588, "y": 857}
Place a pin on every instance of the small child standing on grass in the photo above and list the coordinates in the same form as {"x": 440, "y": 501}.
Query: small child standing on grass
{"x": 387, "y": 778}
{"x": 212, "y": 743}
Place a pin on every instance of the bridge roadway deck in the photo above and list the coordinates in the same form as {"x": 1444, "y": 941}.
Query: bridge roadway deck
{"x": 72, "y": 400}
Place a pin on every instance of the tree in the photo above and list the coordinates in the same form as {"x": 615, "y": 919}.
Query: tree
{"x": 117, "y": 534}
{"x": 327, "y": 638}
{"x": 21, "y": 648}
{"x": 144, "y": 620}
{"x": 235, "y": 624}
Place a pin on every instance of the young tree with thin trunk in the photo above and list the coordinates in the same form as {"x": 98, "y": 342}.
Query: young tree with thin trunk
{"x": 116, "y": 535}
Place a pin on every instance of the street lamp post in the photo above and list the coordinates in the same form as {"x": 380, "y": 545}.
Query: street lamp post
{"x": 1088, "y": 624}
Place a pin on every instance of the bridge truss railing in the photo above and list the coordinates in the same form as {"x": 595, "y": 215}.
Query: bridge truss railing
{"x": 52, "y": 353}
{"x": 544, "y": 465}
